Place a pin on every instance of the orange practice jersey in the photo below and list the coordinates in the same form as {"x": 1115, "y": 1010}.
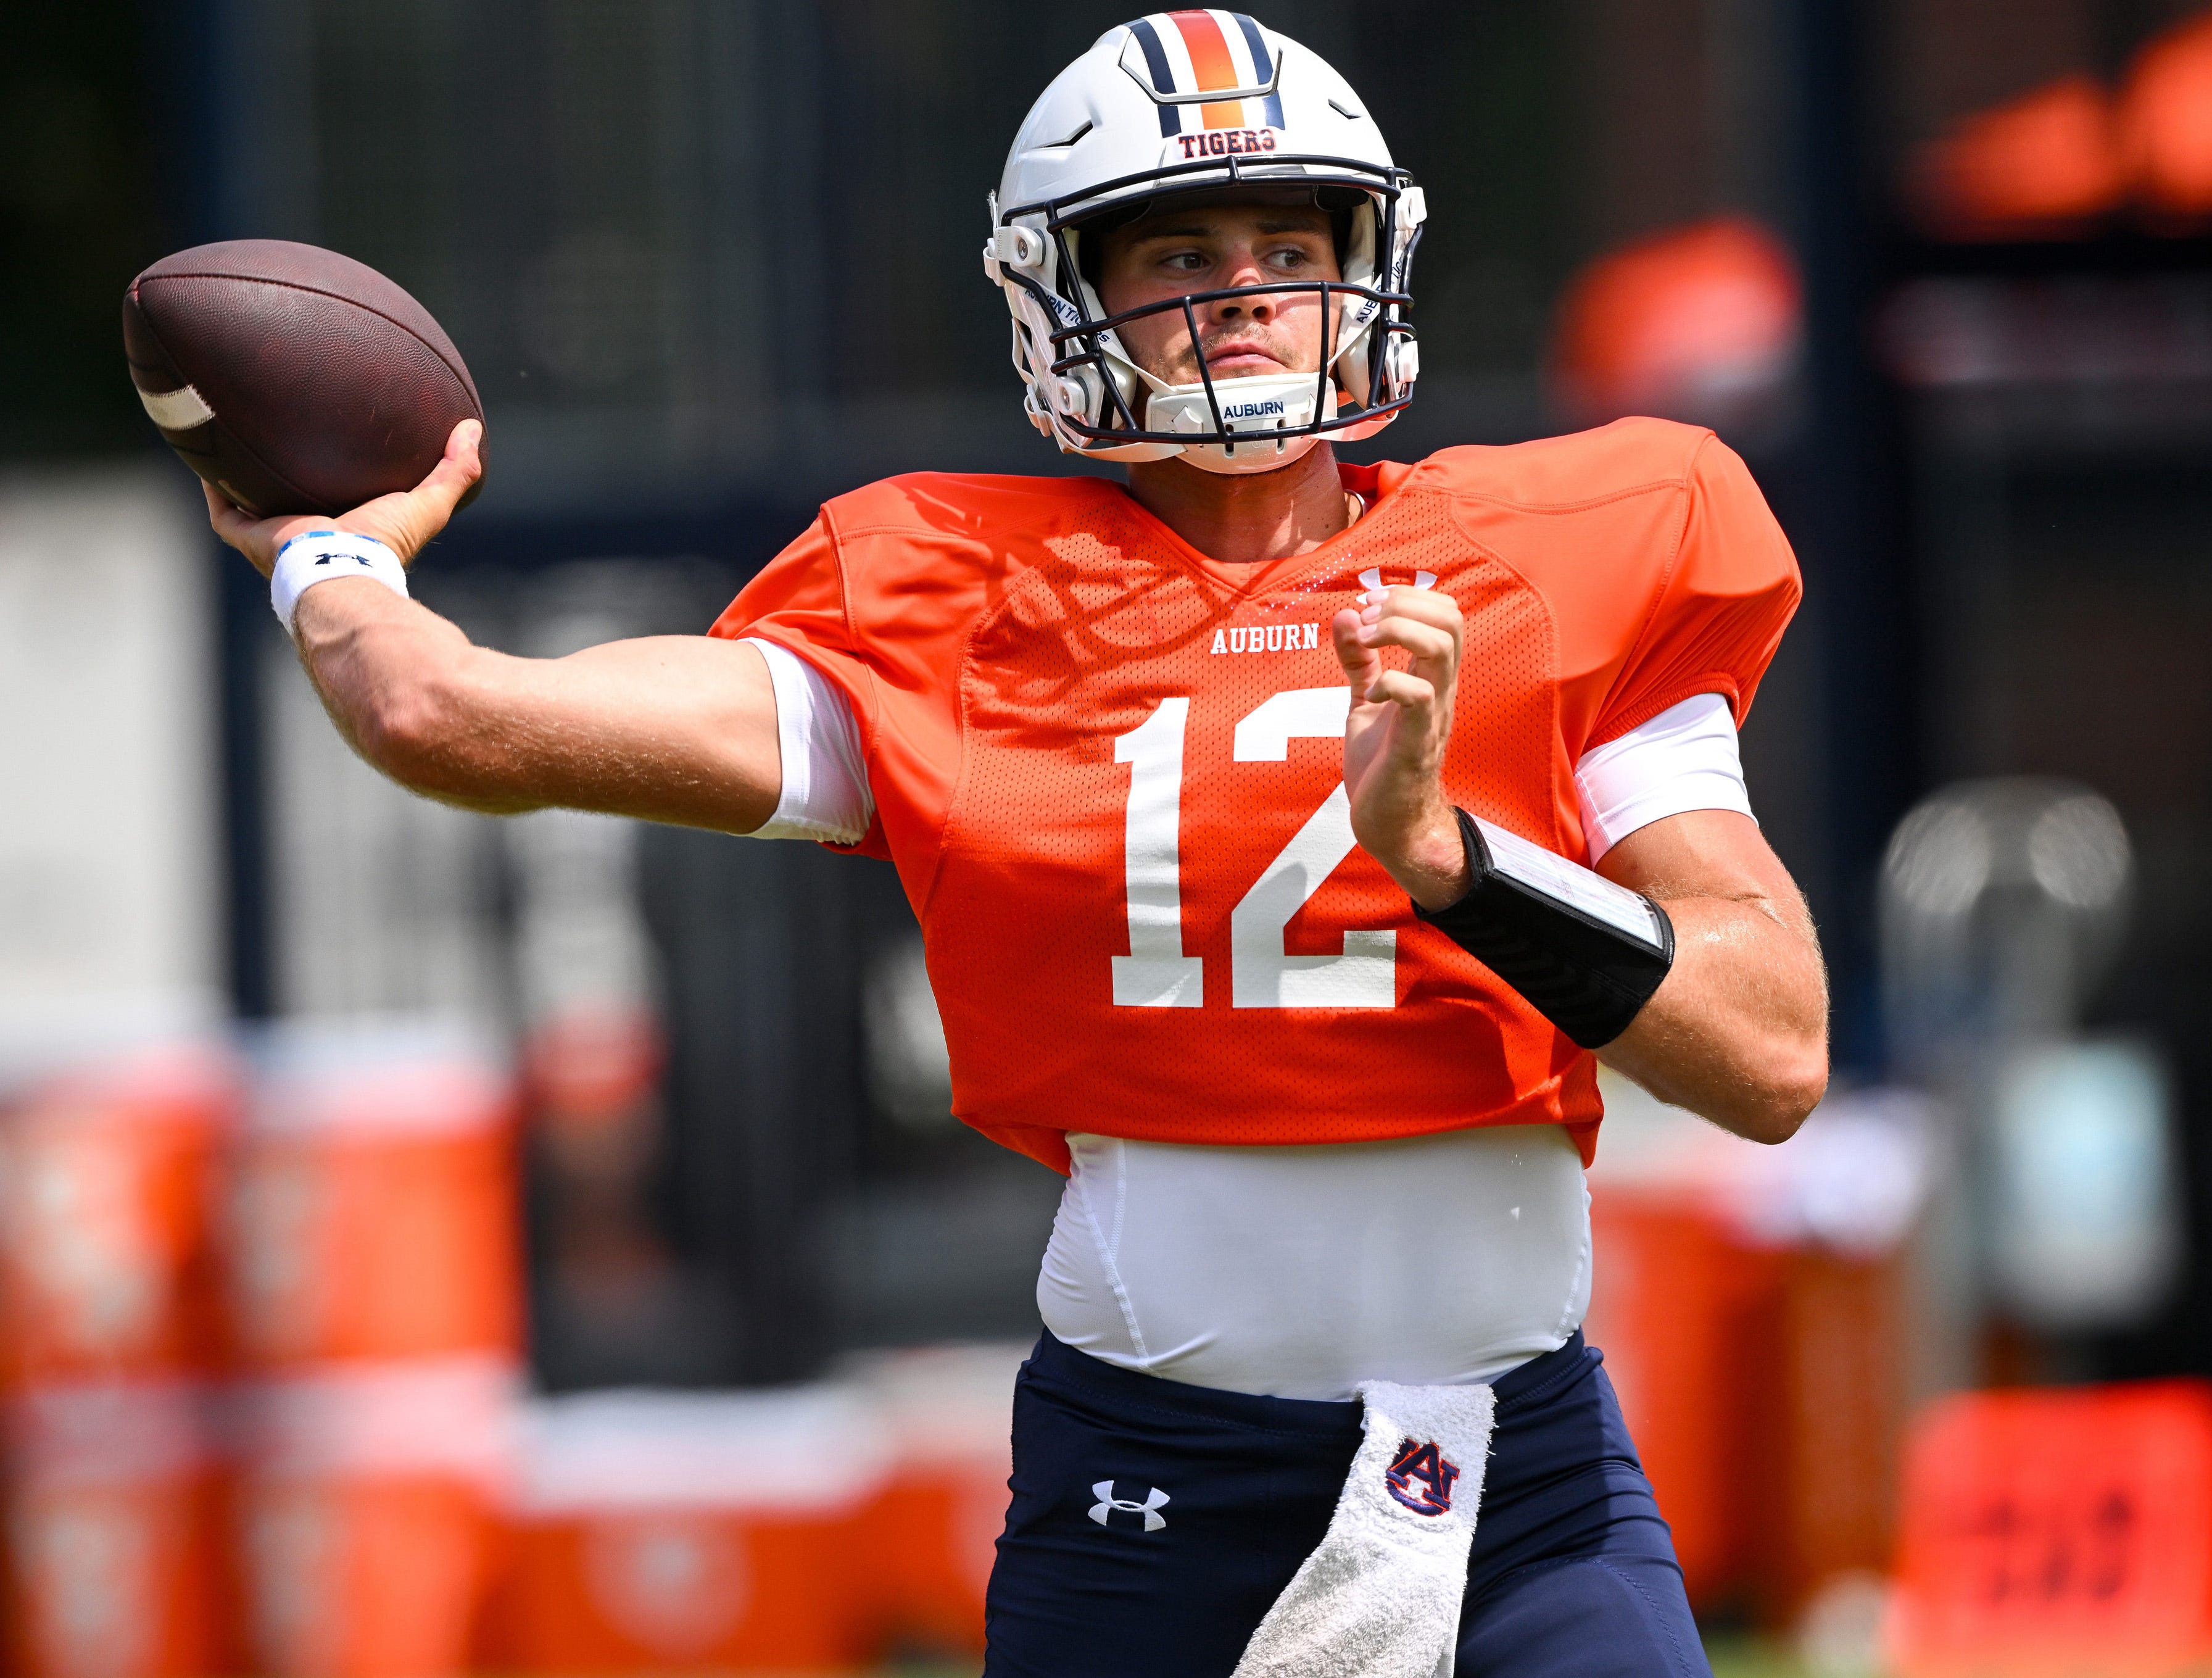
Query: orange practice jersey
{"x": 1109, "y": 769}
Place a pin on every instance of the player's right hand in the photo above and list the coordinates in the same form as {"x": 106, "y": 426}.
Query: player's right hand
{"x": 404, "y": 521}
{"x": 1394, "y": 737}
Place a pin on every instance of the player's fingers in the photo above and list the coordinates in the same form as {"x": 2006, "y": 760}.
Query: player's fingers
{"x": 461, "y": 466}
{"x": 1420, "y": 605}
{"x": 1403, "y": 688}
{"x": 237, "y": 527}
{"x": 1425, "y": 623}
{"x": 406, "y": 521}
{"x": 1427, "y": 643}
{"x": 222, "y": 515}
{"x": 465, "y": 441}
{"x": 1360, "y": 661}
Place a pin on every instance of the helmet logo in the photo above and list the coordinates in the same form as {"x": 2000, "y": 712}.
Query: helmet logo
{"x": 1220, "y": 142}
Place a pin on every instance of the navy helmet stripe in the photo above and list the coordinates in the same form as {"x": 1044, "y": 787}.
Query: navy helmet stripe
{"x": 1156, "y": 60}
{"x": 1263, "y": 66}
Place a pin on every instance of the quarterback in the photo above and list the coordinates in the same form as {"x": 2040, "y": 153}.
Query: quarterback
{"x": 1291, "y": 841}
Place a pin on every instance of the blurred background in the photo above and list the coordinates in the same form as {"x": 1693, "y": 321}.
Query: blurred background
{"x": 432, "y": 1244}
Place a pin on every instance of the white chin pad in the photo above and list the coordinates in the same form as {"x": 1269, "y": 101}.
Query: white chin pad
{"x": 1257, "y": 407}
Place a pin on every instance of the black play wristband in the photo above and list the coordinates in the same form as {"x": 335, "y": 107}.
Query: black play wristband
{"x": 1585, "y": 953}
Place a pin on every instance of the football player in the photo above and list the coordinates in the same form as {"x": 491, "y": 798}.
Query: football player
{"x": 1291, "y": 841}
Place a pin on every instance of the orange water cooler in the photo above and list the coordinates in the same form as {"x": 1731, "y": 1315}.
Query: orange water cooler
{"x": 1678, "y": 1307}
{"x": 931, "y": 1535}
{"x": 365, "y": 1520}
{"x": 673, "y": 1533}
{"x": 371, "y": 1213}
{"x": 374, "y": 1290}
{"x": 2047, "y": 1533}
{"x": 117, "y": 1523}
{"x": 1751, "y": 1305}
{"x": 108, "y": 1185}
{"x": 110, "y": 1341}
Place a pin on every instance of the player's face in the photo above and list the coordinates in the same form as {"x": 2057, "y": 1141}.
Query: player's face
{"x": 1210, "y": 247}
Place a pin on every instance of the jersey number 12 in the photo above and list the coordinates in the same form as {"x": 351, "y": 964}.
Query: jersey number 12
{"x": 1156, "y": 973}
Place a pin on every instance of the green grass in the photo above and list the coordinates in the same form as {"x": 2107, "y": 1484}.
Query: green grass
{"x": 1752, "y": 1657}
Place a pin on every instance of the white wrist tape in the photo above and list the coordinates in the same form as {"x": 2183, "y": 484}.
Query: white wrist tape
{"x": 317, "y": 556}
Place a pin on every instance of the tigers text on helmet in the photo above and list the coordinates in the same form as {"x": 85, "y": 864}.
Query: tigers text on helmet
{"x": 1202, "y": 100}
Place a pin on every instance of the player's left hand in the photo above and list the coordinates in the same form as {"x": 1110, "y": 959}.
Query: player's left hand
{"x": 1394, "y": 737}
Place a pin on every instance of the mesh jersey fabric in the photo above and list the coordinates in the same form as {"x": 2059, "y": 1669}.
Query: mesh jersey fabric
{"x": 1000, "y": 640}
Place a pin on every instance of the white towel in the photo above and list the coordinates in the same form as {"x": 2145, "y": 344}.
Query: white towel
{"x": 1380, "y": 1598}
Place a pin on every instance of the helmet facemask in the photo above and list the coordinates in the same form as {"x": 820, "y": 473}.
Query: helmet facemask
{"x": 1243, "y": 424}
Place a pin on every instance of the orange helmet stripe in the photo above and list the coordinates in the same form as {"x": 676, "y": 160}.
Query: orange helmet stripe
{"x": 1211, "y": 61}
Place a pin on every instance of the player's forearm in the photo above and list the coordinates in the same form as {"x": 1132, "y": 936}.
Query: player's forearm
{"x": 1738, "y": 1032}
{"x": 665, "y": 728}
{"x": 393, "y": 676}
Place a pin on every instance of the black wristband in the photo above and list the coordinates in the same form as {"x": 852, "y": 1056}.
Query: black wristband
{"x": 1584, "y": 952}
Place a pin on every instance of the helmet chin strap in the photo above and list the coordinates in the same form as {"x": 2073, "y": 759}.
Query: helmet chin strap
{"x": 1257, "y": 406}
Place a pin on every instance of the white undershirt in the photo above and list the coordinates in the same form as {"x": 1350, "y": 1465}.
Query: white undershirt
{"x": 1300, "y": 1272}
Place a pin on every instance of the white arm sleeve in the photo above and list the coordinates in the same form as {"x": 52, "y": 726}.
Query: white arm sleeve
{"x": 826, "y": 776}
{"x": 1683, "y": 759}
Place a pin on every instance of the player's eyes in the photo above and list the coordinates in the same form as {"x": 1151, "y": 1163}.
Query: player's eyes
{"x": 1289, "y": 257}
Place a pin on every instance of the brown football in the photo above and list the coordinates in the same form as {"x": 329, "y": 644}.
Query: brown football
{"x": 293, "y": 379}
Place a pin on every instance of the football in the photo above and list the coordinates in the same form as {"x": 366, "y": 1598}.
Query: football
{"x": 291, "y": 377}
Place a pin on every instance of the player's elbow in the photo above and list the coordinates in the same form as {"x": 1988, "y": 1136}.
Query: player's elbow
{"x": 401, "y": 729}
{"x": 1776, "y": 1096}
{"x": 418, "y": 732}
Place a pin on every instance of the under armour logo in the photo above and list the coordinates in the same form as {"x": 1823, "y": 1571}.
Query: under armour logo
{"x": 1372, "y": 578}
{"x": 1155, "y": 1500}
{"x": 1422, "y": 1462}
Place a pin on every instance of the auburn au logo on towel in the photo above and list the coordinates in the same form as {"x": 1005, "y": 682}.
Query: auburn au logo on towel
{"x": 1419, "y": 1460}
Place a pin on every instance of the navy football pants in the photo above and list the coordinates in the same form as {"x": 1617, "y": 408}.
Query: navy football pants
{"x": 1573, "y": 1570}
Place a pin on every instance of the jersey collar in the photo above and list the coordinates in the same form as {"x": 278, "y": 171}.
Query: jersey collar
{"x": 1372, "y": 483}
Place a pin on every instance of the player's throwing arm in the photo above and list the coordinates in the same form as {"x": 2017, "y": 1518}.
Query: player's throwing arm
{"x": 669, "y": 728}
{"x": 332, "y": 477}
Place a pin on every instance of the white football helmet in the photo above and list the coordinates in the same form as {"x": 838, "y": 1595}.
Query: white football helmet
{"x": 1202, "y": 100}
